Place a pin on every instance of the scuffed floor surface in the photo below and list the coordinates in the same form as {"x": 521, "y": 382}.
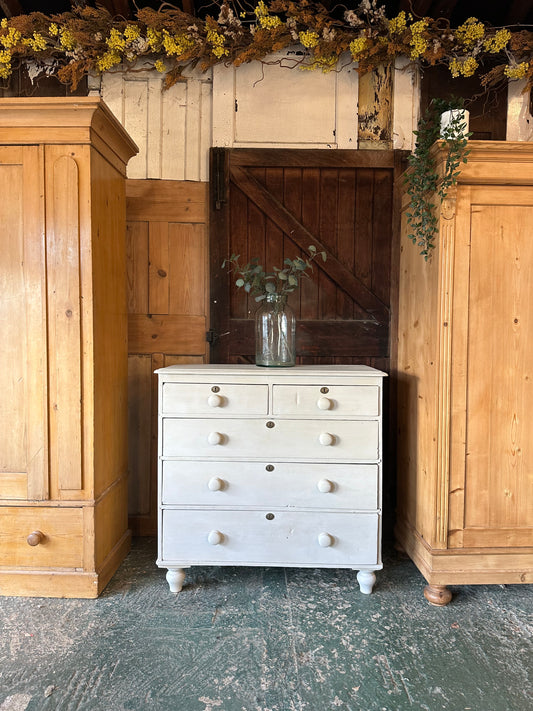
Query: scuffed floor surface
{"x": 267, "y": 639}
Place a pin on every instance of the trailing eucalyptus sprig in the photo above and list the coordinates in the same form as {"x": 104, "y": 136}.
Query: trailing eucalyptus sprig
{"x": 423, "y": 181}
{"x": 258, "y": 283}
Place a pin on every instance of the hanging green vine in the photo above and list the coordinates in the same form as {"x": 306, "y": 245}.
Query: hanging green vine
{"x": 423, "y": 182}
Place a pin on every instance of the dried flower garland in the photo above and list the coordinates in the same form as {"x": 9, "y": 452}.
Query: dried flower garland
{"x": 89, "y": 40}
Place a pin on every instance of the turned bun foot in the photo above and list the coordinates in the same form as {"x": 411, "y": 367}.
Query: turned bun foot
{"x": 437, "y": 595}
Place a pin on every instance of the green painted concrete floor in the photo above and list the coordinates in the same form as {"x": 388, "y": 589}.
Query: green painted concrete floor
{"x": 267, "y": 639}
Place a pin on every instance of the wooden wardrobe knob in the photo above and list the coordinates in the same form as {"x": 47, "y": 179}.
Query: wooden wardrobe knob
{"x": 326, "y": 439}
{"x": 35, "y": 538}
{"x": 324, "y": 403}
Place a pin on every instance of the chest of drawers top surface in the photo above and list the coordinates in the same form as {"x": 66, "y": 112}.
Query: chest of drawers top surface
{"x": 305, "y": 391}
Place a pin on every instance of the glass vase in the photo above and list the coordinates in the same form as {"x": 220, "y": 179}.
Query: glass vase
{"x": 275, "y": 333}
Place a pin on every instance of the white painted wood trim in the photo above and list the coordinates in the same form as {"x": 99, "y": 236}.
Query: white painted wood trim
{"x": 519, "y": 120}
{"x": 406, "y": 104}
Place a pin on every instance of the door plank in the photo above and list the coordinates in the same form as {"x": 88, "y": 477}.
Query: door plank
{"x": 303, "y": 238}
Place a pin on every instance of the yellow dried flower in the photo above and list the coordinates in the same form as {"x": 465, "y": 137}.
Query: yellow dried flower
{"x": 216, "y": 40}
{"x": 53, "y": 30}
{"x": 154, "y": 39}
{"x": 108, "y": 60}
{"x": 3, "y": 24}
{"x": 358, "y": 46}
{"x": 131, "y": 33}
{"x": 159, "y": 65}
{"x": 516, "y": 71}
{"x": 66, "y": 39}
{"x": 418, "y": 43}
{"x": 463, "y": 67}
{"x": 116, "y": 40}
{"x": 498, "y": 42}
{"x": 11, "y": 39}
{"x": 308, "y": 39}
{"x": 37, "y": 42}
{"x": 177, "y": 45}
{"x": 470, "y": 32}
{"x": 5, "y": 64}
{"x": 398, "y": 24}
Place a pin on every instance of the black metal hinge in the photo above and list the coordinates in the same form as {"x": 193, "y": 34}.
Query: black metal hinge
{"x": 211, "y": 336}
{"x": 219, "y": 176}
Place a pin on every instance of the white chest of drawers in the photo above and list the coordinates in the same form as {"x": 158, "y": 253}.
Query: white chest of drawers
{"x": 273, "y": 467}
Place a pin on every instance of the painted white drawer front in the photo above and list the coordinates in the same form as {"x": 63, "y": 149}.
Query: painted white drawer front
{"x": 276, "y": 538}
{"x": 338, "y": 401}
{"x": 233, "y": 484}
{"x": 355, "y": 441}
{"x": 213, "y": 399}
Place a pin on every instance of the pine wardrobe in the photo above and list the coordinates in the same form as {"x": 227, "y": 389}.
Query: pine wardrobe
{"x": 63, "y": 352}
{"x": 465, "y": 380}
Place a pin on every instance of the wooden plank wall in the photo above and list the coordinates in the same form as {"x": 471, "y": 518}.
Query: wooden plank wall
{"x": 168, "y": 306}
{"x": 171, "y": 127}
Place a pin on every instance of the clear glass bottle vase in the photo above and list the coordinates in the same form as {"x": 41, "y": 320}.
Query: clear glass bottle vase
{"x": 275, "y": 333}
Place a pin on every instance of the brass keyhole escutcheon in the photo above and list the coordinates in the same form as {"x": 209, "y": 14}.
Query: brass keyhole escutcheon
{"x": 269, "y": 517}
{"x": 324, "y": 390}
{"x": 269, "y": 467}
{"x": 271, "y": 424}
{"x": 215, "y": 389}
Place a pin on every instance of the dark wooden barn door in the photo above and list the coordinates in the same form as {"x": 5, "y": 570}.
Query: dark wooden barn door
{"x": 273, "y": 204}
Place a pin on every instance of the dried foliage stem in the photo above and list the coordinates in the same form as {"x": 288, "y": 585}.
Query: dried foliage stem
{"x": 87, "y": 40}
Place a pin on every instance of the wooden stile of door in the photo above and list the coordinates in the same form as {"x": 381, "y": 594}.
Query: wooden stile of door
{"x": 167, "y": 305}
{"x": 274, "y": 203}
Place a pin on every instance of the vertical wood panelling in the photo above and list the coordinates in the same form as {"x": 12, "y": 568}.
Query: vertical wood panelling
{"x": 12, "y": 315}
{"x": 64, "y": 319}
{"x": 135, "y": 96}
{"x": 172, "y": 127}
{"x": 406, "y": 103}
{"x": 262, "y": 105}
{"x": 187, "y": 259}
{"x": 167, "y": 276}
{"x": 23, "y": 366}
{"x": 137, "y": 263}
{"x": 500, "y": 405}
{"x": 519, "y": 118}
{"x": 158, "y": 274}
{"x": 175, "y": 143}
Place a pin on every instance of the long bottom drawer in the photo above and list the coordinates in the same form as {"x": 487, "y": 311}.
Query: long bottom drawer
{"x": 190, "y": 537}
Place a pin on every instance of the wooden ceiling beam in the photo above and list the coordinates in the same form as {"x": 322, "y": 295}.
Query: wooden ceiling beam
{"x": 117, "y": 7}
{"x": 517, "y": 12}
{"x": 188, "y": 7}
{"x": 419, "y": 8}
{"x": 11, "y": 8}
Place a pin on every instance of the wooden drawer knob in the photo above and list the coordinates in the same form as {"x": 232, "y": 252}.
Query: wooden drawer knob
{"x": 324, "y": 403}
{"x": 326, "y": 439}
{"x": 325, "y": 486}
{"x": 35, "y": 538}
{"x": 215, "y": 438}
{"x": 215, "y": 538}
{"x": 214, "y": 401}
{"x": 215, "y": 484}
{"x": 325, "y": 540}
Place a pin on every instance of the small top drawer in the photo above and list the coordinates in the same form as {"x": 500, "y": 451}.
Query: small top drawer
{"x": 211, "y": 398}
{"x": 342, "y": 401}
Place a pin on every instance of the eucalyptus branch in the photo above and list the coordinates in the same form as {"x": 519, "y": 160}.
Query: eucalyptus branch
{"x": 259, "y": 283}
